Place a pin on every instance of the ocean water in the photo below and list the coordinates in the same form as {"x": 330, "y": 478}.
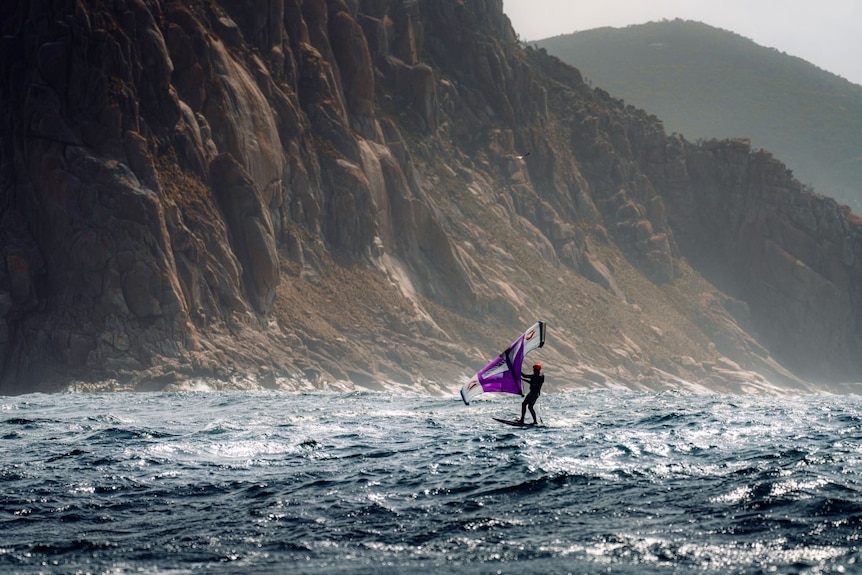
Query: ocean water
{"x": 271, "y": 482}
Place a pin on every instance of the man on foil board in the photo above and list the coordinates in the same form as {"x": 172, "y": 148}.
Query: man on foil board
{"x": 504, "y": 374}
{"x": 536, "y": 381}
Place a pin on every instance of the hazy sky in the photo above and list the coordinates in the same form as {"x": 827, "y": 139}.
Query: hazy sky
{"x": 827, "y": 33}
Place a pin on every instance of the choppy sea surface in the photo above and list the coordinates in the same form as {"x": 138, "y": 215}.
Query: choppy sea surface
{"x": 269, "y": 482}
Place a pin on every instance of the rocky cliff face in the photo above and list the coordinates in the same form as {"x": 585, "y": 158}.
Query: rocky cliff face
{"x": 331, "y": 193}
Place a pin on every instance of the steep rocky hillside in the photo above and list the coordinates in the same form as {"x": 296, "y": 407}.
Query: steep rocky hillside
{"x": 705, "y": 82}
{"x": 328, "y": 194}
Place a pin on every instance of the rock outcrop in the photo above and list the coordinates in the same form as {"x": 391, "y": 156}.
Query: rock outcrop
{"x": 789, "y": 254}
{"x": 330, "y": 193}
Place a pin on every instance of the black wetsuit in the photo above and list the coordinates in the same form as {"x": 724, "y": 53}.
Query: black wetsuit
{"x": 536, "y": 380}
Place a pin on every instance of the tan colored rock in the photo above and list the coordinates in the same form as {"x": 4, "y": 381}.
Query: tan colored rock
{"x": 288, "y": 194}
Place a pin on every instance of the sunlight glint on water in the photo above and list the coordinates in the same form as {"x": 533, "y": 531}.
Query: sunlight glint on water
{"x": 379, "y": 483}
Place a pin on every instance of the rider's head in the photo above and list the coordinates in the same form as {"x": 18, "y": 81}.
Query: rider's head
{"x": 537, "y": 367}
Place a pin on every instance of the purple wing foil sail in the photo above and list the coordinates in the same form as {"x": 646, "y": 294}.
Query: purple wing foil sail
{"x": 503, "y": 373}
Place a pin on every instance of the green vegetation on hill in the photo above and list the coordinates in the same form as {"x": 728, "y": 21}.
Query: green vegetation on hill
{"x": 704, "y": 82}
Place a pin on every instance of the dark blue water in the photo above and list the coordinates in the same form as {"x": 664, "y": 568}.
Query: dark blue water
{"x": 267, "y": 482}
